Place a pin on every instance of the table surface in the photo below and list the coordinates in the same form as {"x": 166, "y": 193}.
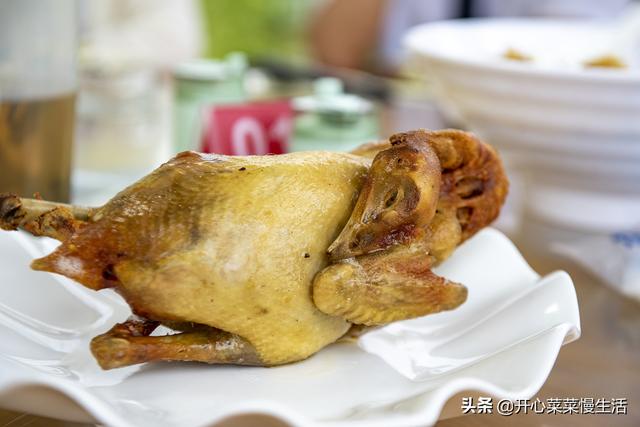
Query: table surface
{"x": 603, "y": 363}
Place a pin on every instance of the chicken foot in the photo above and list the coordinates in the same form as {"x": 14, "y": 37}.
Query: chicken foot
{"x": 130, "y": 343}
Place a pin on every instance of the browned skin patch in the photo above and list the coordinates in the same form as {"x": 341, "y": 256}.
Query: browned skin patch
{"x": 58, "y": 224}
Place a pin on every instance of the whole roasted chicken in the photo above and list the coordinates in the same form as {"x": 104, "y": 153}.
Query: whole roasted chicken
{"x": 264, "y": 260}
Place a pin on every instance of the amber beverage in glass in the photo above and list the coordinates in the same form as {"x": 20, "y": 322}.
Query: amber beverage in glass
{"x": 37, "y": 97}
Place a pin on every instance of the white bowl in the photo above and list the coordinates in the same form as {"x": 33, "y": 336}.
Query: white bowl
{"x": 551, "y": 113}
{"x": 561, "y": 127}
{"x": 503, "y": 341}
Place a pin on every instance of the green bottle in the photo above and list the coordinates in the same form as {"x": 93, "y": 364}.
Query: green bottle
{"x": 201, "y": 83}
{"x": 333, "y": 120}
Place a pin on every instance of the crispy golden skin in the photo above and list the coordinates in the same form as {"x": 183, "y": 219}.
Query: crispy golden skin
{"x": 226, "y": 249}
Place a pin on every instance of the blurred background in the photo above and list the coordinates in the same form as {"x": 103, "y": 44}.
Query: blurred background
{"x": 95, "y": 94}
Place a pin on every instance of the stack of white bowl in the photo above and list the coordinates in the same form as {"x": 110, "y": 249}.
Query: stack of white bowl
{"x": 571, "y": 132}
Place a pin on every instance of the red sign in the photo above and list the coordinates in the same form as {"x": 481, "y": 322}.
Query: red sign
{"x": 243, "y": 129}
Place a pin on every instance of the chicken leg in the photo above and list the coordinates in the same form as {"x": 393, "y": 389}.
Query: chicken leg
{"x": 40, "y": 217}
{"x": 129, "y": 343}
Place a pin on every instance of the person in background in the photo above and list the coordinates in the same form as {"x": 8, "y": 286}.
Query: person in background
{"x": 367, "y": 34}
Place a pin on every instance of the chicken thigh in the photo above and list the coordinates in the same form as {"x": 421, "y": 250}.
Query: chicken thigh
{"x": 264, "y": 260}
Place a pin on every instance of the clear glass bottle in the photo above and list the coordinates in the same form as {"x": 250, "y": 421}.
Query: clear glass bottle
{"x": 121, "y": 129}
{"x": 38, "y": 44}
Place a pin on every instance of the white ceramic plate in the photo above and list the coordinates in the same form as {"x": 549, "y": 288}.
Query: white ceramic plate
{"x": 503, "y": 341}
